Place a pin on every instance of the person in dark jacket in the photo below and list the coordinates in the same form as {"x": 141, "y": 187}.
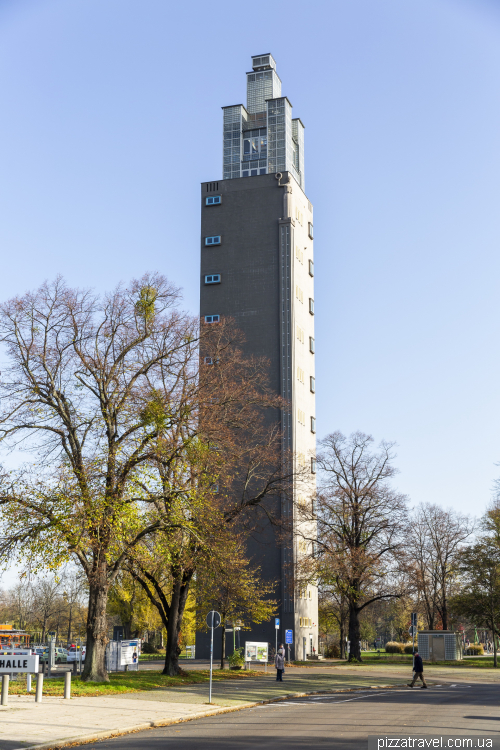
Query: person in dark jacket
{"x": 279, "y": 663}
{"x": 418, "y": 668}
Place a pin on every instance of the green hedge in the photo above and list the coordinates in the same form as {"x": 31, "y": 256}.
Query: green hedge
{"x": 394, "y": 648}
{"x": 474, "y": 650}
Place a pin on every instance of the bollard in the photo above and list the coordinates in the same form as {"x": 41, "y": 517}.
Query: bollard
{"x": 5, "y": 689}
{"x": 28, "y": 683}
{"x": 39, "y": 687}
{"x": 67, "y": 686}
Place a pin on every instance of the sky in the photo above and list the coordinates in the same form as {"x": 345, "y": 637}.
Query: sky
{"x": 110, "y": 119}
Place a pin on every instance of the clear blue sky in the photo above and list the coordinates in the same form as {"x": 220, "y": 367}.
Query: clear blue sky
{"x": 110, "y": 119}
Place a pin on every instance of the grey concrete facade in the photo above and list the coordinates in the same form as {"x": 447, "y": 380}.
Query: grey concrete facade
{"x": 257, "y": 268}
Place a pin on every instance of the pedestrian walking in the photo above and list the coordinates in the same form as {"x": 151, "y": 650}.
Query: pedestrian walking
{"x": 418, "y": 668}
{"x": 279, "y": 663}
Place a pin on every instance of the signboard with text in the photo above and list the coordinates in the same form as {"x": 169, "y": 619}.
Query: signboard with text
{"x": 289, "y": 636}
{"x": 18, "y": 661}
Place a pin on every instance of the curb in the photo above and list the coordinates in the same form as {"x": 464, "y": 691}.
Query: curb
{"x": 109, "y": 734}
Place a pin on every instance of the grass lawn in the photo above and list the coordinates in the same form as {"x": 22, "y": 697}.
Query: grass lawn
{"x": 372, "y": 658}
{"x": 128, "y": 682}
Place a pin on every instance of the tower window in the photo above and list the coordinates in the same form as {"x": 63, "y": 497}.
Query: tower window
{"x": 313, "y": 466}
{"x": 313, "y": 424}
{"x": 311, "y": 305}
{"x": 214, "y": 240}
{"x": 213, "y": 200}
{"x": 311, "y": 344}
{"x": 212, "y": 318}
{"x": 312, "y": 384}
{"x": 213, "y": 278}
{"x": 311, "y": 268}
{"x": 310, "y": 230}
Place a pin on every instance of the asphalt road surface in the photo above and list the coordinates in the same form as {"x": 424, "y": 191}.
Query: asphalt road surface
{"x": 331, "y": 721}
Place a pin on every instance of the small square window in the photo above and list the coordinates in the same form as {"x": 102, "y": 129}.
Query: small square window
{"x": 213, "y": 200}
{"x": 246, "y": 173}
{"x": 311, "y": 268}
{"x": 213, "y": 278}
{"x": 311, "y": 344}
{"x": 208, "y": 360}
{"x": 310, "y": 230}
{"x": 213, "y": 240}
{"x": 313, "y": 424}
{"x": 254, "y": 172}
{"x": 263, "y": 171}
{"x": 311, "y": 305}
{"x": 212, "y": 318}
{"x": 312, "y": 384}
{"x": 313, "y": 466}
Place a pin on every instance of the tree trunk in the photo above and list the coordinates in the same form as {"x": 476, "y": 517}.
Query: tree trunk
{"x": 444, "y": 614}
{"x": 223, "y": 646}
{"x": 354, "y": 651}
{"x": 97, "y": 627}
{"x": 342, "y": 639}
{"x": 495, "y": 664}
{"x": 176, "y": 611}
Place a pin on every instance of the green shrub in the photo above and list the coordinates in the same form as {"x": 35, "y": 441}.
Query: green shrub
{"x": 333, "y": 651}
{"x": 394, "y": 648}
{"x": 474, "y": 650}
{"x": 149, "y": 648}
{"x": 236, "y": 659}
{"x": 409, "y": 648}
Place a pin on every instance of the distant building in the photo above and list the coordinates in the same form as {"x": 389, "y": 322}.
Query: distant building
{"x": 257, "y": 267}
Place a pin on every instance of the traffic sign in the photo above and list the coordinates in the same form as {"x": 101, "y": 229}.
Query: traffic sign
{"x": 414, "y": 619}
{"x": 413, "y": 630}
{"x": 277, "y": 623}
{"x": 213, "y": 619}
{"x": 289, "y": 636}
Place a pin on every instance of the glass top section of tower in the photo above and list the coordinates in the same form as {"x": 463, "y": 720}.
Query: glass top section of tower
{"x": 263, "y": 137}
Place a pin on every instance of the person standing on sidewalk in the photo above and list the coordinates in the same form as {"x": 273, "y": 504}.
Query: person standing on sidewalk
{"x": 279, "y": 663}
{"x": 418, "y": 668}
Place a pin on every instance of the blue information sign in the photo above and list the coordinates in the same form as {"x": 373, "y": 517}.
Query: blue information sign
{"x": 289, "y": 636}
{"x": 277, "y": 623}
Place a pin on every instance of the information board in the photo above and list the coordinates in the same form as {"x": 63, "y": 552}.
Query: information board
{"x": 289, "y": 636}
{"x": 256, "y": 651}
{"x": 130, "y": 652}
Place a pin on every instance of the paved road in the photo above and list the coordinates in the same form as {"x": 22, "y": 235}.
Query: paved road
{"x": 331, "y": 721}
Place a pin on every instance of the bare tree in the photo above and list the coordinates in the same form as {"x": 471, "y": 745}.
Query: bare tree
{"x": 231, "y": 477}
{"x": 20, "y": 603}
{"x": 85, "y": 379}
{"x": 47, "y": 603}
{"x": 435, "y": 544}
{"x": 361, "y": 523}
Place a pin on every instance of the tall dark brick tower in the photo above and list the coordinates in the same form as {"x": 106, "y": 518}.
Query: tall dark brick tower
{"x": 257, "y": 267}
